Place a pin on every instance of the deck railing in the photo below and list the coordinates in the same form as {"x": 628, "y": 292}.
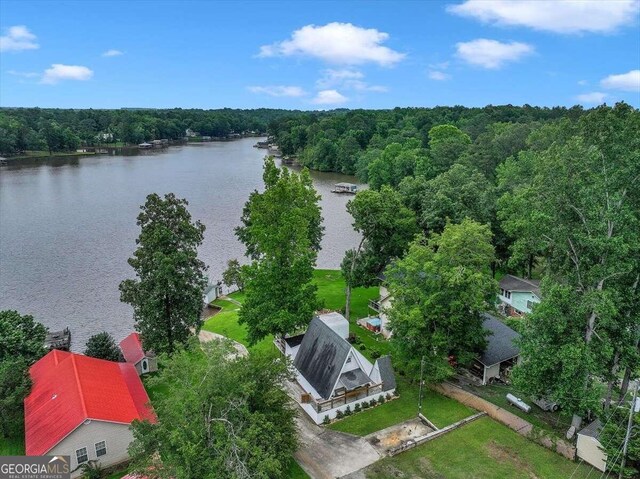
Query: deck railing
{"x": 349, "y": 397}
{"x": 375, "y": 305}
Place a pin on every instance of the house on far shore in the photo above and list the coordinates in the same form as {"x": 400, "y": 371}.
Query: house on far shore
{"x": 518, "y": 295}
{"x": 144, "y": 361}
{"x": 331, "y": 374}
{"x": 82, "y": 407}
{"x": 501, "y": 353}
{"x": 589, "y": 448}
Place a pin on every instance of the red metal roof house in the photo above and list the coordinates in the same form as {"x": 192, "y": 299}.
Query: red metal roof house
{"x": 131, "y": 347}
{"x": 82, "y": 407}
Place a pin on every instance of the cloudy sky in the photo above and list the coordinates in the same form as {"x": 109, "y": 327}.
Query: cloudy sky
{"x": 318, "y": 55}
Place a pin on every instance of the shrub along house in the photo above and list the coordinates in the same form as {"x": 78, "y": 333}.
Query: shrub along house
{"x": 331, "y": 373}
{"x": 518, "y": 295}
{"x": 144, "y": 361}
{"x": 82, "y": 407}
{"x": 501, "y": 353}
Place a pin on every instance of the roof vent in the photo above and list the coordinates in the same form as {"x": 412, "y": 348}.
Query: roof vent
{"x": 53, "y": 396}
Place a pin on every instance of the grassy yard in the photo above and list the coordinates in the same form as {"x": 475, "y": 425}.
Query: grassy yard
{"x": 440, "y": 410}
{"x": 481, "y": 449}
{"x": 11, "y": 446}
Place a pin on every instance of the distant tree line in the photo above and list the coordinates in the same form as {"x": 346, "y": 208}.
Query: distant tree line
{"x": 58, "y": 130}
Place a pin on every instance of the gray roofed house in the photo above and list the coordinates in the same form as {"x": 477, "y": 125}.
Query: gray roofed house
{"x": 321, "y": 356}
{"x": 502, "y": 351}
{"x": 501, "y": 342}
{"x": 332, "y": 373}
{"x": 518, "y": 295}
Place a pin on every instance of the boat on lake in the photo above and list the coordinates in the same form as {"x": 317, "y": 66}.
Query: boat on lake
{"x": 145, "y": 146}
{"x": 345, "y": 188}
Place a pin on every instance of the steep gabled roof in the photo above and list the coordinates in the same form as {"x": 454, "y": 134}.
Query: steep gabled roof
{"x": 131, "y": 348}
{"x": 387, "y": 375}
{"x": 514, "y": 283}
{"x": 592, "y": 430}
{"x": 70, "y": 388}
{"x": 501, "y": 342}
{"x": 321, "y": 356}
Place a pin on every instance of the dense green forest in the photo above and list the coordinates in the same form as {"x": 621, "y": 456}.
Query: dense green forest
{"x": 56, "y": 130}
{"x": 548, "y": 193}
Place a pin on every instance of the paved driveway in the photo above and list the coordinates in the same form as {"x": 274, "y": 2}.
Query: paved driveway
{"x": 327, "y": 454}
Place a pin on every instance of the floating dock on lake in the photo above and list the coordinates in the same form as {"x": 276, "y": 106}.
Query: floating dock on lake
{"x": 58, "y": 340}
{"x": 345, "y": 188}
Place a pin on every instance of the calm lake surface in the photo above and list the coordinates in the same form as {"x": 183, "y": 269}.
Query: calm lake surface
{"x": 68, "y": 226}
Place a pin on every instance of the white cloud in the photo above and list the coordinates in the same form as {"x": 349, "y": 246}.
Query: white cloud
{"x": 112, "y": 53}
{"x": 559, "y": 16}
{"x": 491, "y": 54}
{"x": 626, "y": 81}
{"x": 59, "y": 72}
{"x": 438, "y": 75}
{"x": 329, "y": 97}
{"x": 17, "y": 39}
{"x": 592, "y": 98}
{"x": 583, "y": 82}
{"x": 278, "y": 90}
{"x": 23, "y": 74}
{"x": 347, "y": 79}
{"x": 338, "y": 43}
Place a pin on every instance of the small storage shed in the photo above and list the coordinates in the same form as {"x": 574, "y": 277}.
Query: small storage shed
{"x": 501, "y": 352}
{"x": 144, "y": 361}
{"x": 588, "y": 447}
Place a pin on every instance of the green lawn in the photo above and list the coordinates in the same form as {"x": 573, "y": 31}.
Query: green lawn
{"x": 11, "y": 446}
{"x": 483, "y": 449}
{"x": 439, "y": 409}
{"x": 296, "y": 472}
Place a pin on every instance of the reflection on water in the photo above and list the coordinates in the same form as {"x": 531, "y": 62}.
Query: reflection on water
{"x": 67, "y": 226}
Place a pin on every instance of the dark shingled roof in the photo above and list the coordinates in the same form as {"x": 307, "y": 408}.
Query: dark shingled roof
{"x": 592, "y": 430}
{"x": 321, "y": 356}
{"x": 386, "y": 373}
{"x": 501, "y": 344}
{"x": 354, "y": 379}
{"x": 513, "y": 283}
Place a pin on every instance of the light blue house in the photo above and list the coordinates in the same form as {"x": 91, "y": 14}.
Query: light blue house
{"x": 518, "y": 295}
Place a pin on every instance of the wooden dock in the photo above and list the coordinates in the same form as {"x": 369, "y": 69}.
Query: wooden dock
{"x": 58, "y": 340}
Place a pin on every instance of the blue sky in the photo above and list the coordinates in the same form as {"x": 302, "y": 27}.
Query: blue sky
{"x": 318, "y": 55}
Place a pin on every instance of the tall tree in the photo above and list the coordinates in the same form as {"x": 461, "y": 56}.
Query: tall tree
{"x": 21, "y": 336}
{"x": 21, "y": 345}
{"x": 583, "y": 194}
{"x": 447, "y": 144}
{"x": 440, "y": 289}
{"x": 167, "y": 294}
{"x": 281, "y": 229}
{"x": 224, "y": 418}
{"x": 386, "y": 226}
{"x": 232, "y": 276}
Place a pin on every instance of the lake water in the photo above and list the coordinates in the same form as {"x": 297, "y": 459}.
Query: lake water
{"x": 68, "y": 226}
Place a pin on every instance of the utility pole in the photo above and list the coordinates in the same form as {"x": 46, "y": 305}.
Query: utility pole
{"x": 421, "y": 383}
{"x": 629, "y": 427}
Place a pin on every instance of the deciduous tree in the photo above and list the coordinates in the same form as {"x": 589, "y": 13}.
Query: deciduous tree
{"x": 281, "y": 229}
{"x": 103, "y": 346}
{"x": 167, "y": 293}
{"x": 224, "y": 417}
{"x": 440, "y": 289}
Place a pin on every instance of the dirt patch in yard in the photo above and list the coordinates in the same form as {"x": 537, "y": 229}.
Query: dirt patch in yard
{"x": 394, "y": 436}
{"x": 501, "y": 453}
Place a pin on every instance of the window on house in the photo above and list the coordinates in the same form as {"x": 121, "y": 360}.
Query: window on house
{"x": 348, "y": 359}
{"x": 144, "y": 365}
{"x": 507, "y": 294}
{"x": 529, "y": 305}
{"x": 81, "y": 455}
{"x": 101, "y": 448}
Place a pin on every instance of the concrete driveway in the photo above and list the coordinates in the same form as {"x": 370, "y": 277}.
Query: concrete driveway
{"x": 327, "y": 454}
